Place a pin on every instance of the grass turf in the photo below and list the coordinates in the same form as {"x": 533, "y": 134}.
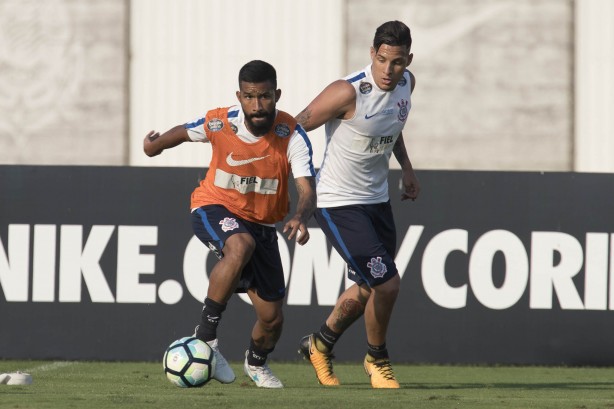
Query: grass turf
{"x": 94, "y": 385}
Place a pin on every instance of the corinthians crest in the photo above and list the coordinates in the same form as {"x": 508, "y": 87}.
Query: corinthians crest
{"x": 378, "y": 269}
{"x": 229, "y": 223}
{"x": 403, "y": 110}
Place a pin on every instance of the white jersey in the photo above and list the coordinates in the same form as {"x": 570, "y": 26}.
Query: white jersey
{"x": 356, "y": 160}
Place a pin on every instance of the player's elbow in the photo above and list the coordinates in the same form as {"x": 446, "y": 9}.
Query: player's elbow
{"x": 149, "y": 151}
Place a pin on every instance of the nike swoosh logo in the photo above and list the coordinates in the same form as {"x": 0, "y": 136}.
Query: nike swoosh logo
{"x": 370, "y": 116}
{"x": 232, "y": 162}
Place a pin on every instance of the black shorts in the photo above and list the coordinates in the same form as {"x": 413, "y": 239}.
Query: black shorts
{"x": 365, "y": 236}
{"x": 214, "y": 224}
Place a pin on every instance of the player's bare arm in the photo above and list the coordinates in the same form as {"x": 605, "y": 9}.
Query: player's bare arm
{"x": 337, "y": 100}
{"x": 154, "y": 142}
{"x": 297, "y": 225}
{"x": 411, "y": 184}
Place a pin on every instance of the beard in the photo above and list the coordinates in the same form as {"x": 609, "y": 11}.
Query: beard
{"x": 260, "y": 128}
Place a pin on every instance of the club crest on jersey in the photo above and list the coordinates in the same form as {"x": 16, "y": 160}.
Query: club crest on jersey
{"x": 402, "y": 82}
{"x": 229, "y": 223}
{"x": 234, "y": 128}
{"x": 374, "y": 146}
{"x": 365, "y": 87}
{"x": 282, "y": 130}
{"x": 215, "y": 125}
{"x": 403, "y": 111}
{"x": 378, "y": 269}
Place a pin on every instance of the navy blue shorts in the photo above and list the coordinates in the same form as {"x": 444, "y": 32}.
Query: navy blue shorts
{"x": 214, "y": 224}
{"x": 365, "y": 236}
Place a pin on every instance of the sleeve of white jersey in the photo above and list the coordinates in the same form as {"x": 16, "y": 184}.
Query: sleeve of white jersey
{"x": 300, "y": 154}
{"x": 196, "y": 130}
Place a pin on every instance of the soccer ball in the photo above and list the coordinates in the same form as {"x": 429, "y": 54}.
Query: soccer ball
{"x": 189, "y": 362}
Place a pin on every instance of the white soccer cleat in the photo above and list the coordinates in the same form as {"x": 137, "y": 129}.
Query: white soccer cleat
{"x": 223, "y": 372}
{"x": 261, "y": 375}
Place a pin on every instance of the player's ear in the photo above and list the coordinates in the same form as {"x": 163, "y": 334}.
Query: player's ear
{"x": 277, "y": 94}
{"x": 239, "y": 96}
{"x": 409, "y": 59}
{"x": 372, "y": 52}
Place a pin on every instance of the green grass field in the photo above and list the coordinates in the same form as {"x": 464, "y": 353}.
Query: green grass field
{"x": 93, "y": 385}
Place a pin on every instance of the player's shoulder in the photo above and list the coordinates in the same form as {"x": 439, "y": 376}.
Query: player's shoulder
{"x": 285, "y": 125}
{"x": 356, "y": 76}
{"x": 341, "y": 90}
{"x": 222, "y": 112}
{"x": 233, "y": 111}
{"x": 283, "y": 116}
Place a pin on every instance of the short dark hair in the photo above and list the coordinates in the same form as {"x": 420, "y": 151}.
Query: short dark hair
{"x": 393, "y": 33}
{"x": 258, "y": 71}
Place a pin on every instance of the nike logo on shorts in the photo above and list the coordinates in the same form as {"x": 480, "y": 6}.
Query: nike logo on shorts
{"x": 370, "y": 116}
{"x": 232, "y": 162}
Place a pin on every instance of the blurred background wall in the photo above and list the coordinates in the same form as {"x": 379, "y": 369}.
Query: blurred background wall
{"x": 63, "y": 82}
{"x": 501, "y": 84}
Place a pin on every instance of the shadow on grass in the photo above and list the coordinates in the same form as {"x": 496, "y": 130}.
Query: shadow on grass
{"x": 512, "y": 385}
{"x": 534, "y": 386}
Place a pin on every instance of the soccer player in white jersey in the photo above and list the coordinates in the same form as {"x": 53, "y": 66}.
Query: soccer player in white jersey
{"x": 364, "y": 115}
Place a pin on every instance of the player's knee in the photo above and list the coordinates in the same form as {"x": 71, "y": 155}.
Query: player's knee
{"x": 240, "y": 246}
{"x": 390, "y": 288}
{"x": 273, "y": 323}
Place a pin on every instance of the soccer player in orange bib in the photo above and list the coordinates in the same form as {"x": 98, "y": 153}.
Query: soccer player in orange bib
{"x": 234, "y": 209}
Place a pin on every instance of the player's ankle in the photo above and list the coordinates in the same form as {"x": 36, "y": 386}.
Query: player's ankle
{"x": 377, "y": 352}
{"x": 320, "y": 346}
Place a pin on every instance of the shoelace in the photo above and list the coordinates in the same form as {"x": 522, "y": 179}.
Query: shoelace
{"x": 328, "y": 360}
{"x": 385, "y": 369}
{"x": 329, "y": 363}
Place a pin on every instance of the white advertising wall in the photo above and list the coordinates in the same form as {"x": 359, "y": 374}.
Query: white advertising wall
{"x": 496, "y": 267}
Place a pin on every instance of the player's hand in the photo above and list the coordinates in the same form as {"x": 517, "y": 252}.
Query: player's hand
{"x": 148, "y": 143}
{"x": 297, "y": 228}
{"x": 411, "y": 186}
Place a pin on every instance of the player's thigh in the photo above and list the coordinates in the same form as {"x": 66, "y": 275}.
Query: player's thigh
{"x": 350, "y": 230}
{"x": 214, "y": 225}
{"x": 357, "y": 238}
{"x": 265, "y": 265}
{"x": 382, "y": 221}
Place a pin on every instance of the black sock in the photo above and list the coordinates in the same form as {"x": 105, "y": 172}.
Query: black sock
{"x": 257, "y": 356}
{"x": 209, "y": 320}
{"x": 327, "y": 336}
{"x": 378, "y": 351}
